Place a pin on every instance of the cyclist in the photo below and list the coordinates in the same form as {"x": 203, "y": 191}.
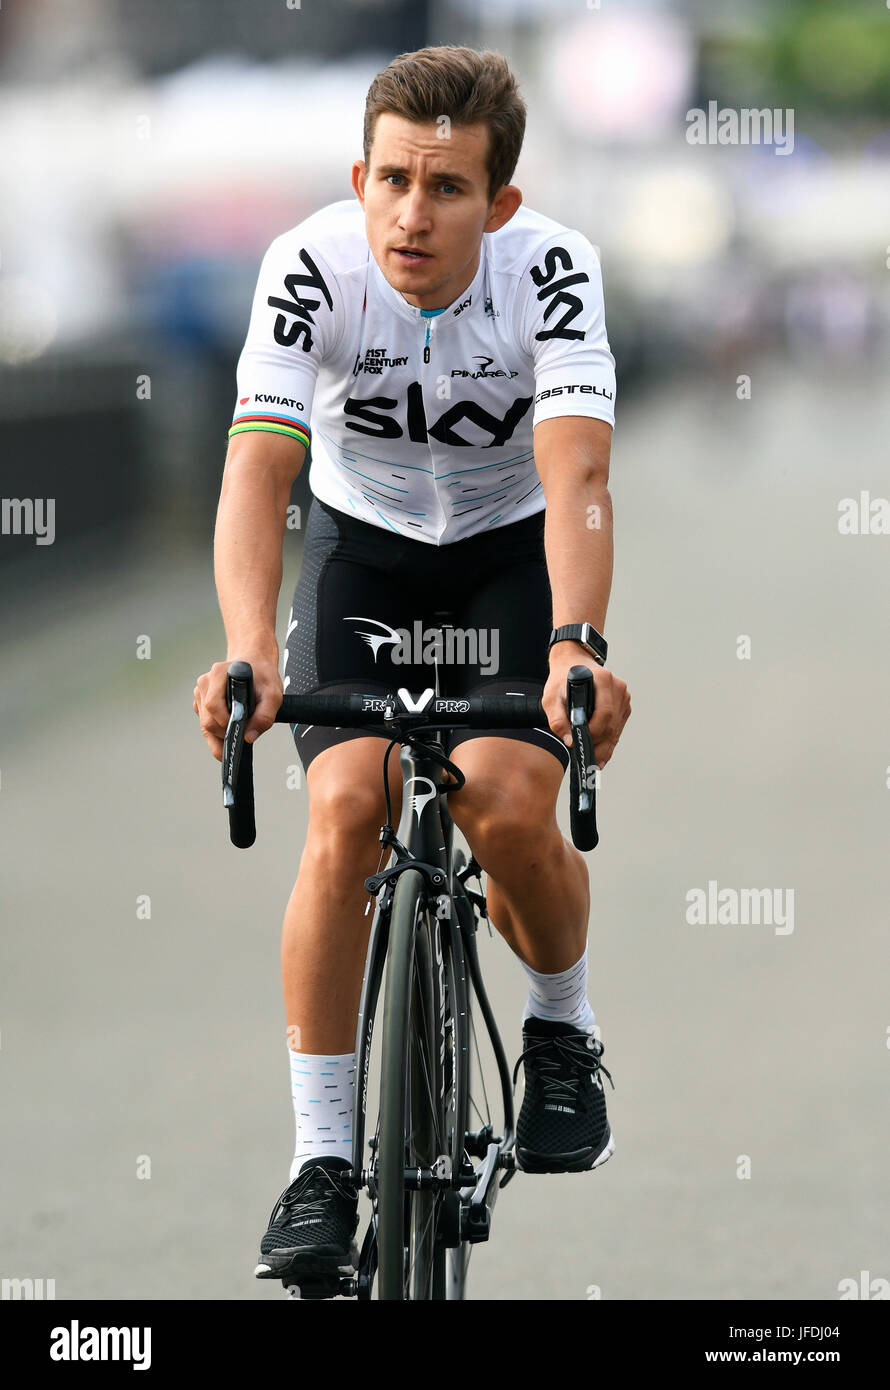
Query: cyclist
{"x": 441, "y": 352}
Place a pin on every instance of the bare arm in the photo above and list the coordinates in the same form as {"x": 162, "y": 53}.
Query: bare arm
{"x": 572, "y": 459}
{"x": 250, "y": 521}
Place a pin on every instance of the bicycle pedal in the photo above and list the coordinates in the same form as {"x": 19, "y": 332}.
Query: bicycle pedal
{"x": 512, "y": 1169}
{"x": 313, "y": 1290}
{"x": 475, "y": 1223}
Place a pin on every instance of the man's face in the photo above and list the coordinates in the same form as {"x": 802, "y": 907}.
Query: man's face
{"x": 426, "y": 206}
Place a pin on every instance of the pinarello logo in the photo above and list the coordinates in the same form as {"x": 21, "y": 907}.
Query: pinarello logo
{"x": 242, "y": 400}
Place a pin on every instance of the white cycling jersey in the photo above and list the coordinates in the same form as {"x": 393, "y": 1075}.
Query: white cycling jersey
{"x": 419, "y": 423}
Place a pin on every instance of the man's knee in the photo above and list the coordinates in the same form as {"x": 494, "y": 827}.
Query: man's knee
{"x": 507, "y": 806}
{"x": 347, "y": 806}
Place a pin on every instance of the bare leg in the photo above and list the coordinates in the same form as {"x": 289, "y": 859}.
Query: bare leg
{"x": 325, "y": 932}
{"x": 538, "y": 889}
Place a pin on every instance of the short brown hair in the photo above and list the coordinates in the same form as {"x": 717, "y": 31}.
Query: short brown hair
{"x": 461, "y": 83}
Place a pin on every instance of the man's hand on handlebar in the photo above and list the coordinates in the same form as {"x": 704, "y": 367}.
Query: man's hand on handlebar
{"x": 210, "y": 696}
{"x": 612, "y": 700}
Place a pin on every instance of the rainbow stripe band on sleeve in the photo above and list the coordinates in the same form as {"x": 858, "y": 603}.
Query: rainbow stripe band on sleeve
{"x": 276, "y": 424}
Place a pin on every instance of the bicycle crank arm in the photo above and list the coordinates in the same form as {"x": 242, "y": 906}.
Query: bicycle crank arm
{"x": 475, "y": 1215}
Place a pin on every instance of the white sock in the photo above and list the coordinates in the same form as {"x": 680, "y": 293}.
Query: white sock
{"x": 322, "y": 1089}
{"x": 560, "y": 998}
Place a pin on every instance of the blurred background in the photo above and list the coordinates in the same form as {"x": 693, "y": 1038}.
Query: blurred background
{"x": 148, "y": 155}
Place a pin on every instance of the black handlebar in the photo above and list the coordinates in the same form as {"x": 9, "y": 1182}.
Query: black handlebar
{"x": 401, "y": 713}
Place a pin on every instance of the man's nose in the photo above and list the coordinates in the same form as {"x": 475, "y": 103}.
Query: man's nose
{"x": 415, "y": 212}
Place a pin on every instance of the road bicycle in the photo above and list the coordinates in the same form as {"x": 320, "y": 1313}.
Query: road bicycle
{"x": 442, "y": 1146}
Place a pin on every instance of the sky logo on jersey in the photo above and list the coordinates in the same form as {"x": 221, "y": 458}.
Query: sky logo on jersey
{"x": 296, "y": 321}
{"x": 556, "y": 293}
{"x": 380, "y": 425}
{"x": 464, "y": 305}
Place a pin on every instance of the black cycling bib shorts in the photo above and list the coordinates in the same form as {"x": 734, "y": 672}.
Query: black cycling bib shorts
{"x": 365, "y": 596}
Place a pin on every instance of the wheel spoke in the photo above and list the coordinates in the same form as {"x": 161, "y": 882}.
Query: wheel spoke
{"x": 487, "y": 1119}
{"x": 418, "y": 1241}
{"x": 426, "y": 1064}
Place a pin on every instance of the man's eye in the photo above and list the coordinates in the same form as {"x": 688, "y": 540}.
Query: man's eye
{"x": 390, "y": 177}
{"x": 449, "y": 186}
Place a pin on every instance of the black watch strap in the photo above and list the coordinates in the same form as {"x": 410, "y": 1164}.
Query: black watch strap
{"x": 587, "y": 635}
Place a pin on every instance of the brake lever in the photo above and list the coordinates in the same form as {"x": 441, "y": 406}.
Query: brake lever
{"x": 580, "y": 699}
{"x": 237, "y": 758}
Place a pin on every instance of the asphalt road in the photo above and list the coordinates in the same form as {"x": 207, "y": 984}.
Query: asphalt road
{"x": 126, "y": 1038}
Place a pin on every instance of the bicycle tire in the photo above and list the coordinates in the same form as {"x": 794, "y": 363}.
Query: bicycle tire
{"x": 411, "y": 1128}
{"x": 457, "y": 1257}
{"x": 488, "y": 1094}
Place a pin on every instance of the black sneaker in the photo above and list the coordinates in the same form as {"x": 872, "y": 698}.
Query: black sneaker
{"x": 562, "y": 1126}
{"x": 310, "y": 1242}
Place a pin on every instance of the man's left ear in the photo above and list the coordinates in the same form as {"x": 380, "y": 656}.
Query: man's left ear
{"x": 506, "y": 201}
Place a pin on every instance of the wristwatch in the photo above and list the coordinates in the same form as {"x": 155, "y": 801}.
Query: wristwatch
{"x": 587, "y": 635}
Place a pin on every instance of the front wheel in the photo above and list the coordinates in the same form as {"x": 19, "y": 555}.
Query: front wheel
{"x": 412, "y": 1255}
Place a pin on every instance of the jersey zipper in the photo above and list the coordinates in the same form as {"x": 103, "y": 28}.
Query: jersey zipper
{"x": 426, "y": 345}
{"x": 430, "y": 332}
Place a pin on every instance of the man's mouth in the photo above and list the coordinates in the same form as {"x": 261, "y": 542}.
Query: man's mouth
{"x": 411, "y": 255}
